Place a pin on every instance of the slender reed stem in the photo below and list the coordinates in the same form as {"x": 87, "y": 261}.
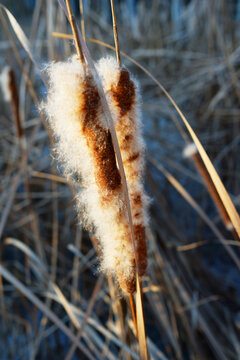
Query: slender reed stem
{"x": 115, "y": 32}
{"x": 82, "y": 20}
{"x": 74, "y": 30}
{"x": 133, "y": 310}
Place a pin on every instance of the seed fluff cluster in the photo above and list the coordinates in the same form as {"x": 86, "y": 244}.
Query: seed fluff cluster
{"x": 84, "y": 146}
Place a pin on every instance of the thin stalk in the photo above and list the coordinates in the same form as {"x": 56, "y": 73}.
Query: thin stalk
{"x": 133, "y": 310}
{"x": 75, "y": 32}
{"x": 82, "y": 20}
{"x": 115, "y": 32}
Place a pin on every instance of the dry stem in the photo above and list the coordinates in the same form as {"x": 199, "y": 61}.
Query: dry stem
{"x": 82, "y": 20}
{"x": 115, "y": 32}
{"x": 74, "y": 30}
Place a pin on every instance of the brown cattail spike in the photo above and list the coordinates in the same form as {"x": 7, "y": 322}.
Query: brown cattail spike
{"x": 99, "y": 140}
{"x": 128, "y": 285}
{"x": 124, "y": 104}
{"x": 15, "y": 102}
{"x": 124, "y": 93}
{"x": 10, "y": 92}
{"x": 141, "y": 251}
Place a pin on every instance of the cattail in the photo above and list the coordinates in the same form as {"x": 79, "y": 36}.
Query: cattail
{"x": 123, "y": 98}
{"x": 10, "y": 93}
{"x": 84, "y": 145}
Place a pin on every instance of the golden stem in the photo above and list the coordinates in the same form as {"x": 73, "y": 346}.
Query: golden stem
{"x": 133, "y": 310}
{"x": 74, "y": 30}
{"x": 115, "y": 32}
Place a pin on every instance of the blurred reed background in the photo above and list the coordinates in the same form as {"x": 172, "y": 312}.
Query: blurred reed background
{"x": 191, "y": 289}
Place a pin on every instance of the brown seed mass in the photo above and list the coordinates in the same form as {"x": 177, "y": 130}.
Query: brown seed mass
{"x": 141, "y": 248}
{"x": 137, "y": 199}
{"x": 99, "y": 140}
{"x": 127, "y": 137}
{"x": 124, "y": 92}
{"x": 133, "y": 157}
{"x": 15, "y": 101}
{"x": 126, "y": 284}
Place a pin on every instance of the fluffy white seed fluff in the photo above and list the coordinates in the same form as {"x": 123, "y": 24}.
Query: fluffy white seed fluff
{"x": 102, "y": 208}
{"x": 229, "y": 226}
{"x": 189, "y": 150}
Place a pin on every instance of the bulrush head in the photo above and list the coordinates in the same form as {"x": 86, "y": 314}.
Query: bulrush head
{"x": 124, "y": 102}
{"x": 84, "y": 145}
{"x": 10, "y": 93}
{"x": 98, "y": 139}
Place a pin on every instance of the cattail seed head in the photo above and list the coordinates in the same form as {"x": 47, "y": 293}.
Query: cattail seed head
{"x": 124, "y": 103}
{"x": 10, "y": 92}
{"x": 84, "y": 145}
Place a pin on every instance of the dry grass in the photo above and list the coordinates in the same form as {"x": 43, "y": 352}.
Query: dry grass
{"x": 52, "y": 295}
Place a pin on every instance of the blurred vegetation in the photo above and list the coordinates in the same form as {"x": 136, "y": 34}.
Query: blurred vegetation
{"x": 191, "y": 290}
